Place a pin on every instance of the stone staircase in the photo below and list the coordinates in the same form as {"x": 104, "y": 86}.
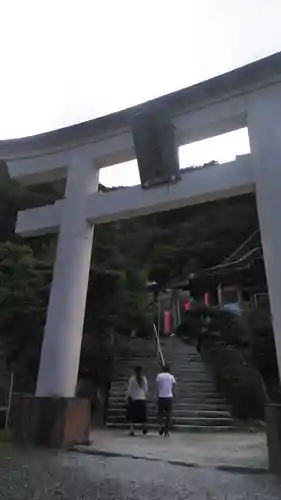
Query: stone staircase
{"x": 197, "y": 407}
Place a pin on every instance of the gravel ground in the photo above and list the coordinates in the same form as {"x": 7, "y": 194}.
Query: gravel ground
{"x": 41, "y": 475}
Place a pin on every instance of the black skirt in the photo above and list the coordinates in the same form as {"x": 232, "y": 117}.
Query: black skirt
{"x": 136, "y": 411}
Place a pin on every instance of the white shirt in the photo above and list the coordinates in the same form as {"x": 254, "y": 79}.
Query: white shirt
{"x": 134, "y": 390}
{"x": 165, "y": 382}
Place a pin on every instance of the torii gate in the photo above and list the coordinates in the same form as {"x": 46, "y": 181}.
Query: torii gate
{"x": 246, "y": 97}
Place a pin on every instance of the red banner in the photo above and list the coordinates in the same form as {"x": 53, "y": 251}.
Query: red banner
{"x": 167, "y": 322}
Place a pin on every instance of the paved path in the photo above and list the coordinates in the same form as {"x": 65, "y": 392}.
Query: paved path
{"x": 27, "y": 475}
{"x": 229, "y": 450}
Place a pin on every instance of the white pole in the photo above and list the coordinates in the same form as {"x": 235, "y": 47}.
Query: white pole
{"x": 9, "y": 400}
{"x": 159, "y": 315}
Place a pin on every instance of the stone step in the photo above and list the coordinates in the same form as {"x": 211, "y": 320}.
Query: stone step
{"x": 125, "y": 368}
{"x": 173, "y": 351}
{"x": 181, "y": 413}
{"x": 218, "y": 404}
{"x": 150, "y": 349}
{"x": 183, "y": 394}
{"x": 121, "y": 405}
{"x": 201, "y": 385}
{"x": 152, "y": 406}
{"x": 183, "y": 372}
{"x": 181, "y": 347}
{"x": 188, "y": 403}
{"x": 183, "y": 363}
{"x": 185, "y": 412}
{"x": 182, "y": 382}
{"x": 181, "y": 428}
{"x": 185, "y": 356}
{"x": 175, "y": 367}
{"x": 179, "y": 379}
{"x": 185, "y": 399}
{"x": 170, "y": 354}
{"x": 141, "y": 354}
{"x": 185, "y": 375}
{"x": 180, "y": 389}
{"x": 189, "y": 399}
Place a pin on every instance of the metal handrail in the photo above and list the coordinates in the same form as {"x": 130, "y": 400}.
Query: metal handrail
{"x": 159, "y": 348}
{"x": 7, "y": 406}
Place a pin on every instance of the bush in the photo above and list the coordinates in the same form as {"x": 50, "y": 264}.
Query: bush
{"x": 203, "y": 323}
{"x": 2, "y": 419}
{"x": 262, "y": 348}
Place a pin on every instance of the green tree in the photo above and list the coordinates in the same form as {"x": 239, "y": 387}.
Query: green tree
{"x": 212, "y": 325}
{"x": 24, "y": 289}
{"x": 135, "y": 311}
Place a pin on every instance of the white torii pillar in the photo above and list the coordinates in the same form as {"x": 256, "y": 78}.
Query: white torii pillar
{"x": 264, "y": 125}
{"x": 65, "y": 317}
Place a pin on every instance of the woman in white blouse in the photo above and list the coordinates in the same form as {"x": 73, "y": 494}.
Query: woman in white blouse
{"x": 136, "y": 398}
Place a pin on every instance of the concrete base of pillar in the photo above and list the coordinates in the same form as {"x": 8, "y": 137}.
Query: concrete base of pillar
{"x": 51, "y": 422}
{"x": 273, "y": 425}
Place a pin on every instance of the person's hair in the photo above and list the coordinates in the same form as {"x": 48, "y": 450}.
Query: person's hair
{"x": 166, "y": 369}
{"x": 138, "y": 375}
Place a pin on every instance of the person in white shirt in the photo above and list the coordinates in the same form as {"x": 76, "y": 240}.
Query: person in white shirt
{"x": 136, "y": 398}
{"x": 165, "y": 382}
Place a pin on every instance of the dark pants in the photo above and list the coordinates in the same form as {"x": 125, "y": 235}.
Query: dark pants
{"x": 165, "y": 409}
{"x": 136, "y": 411}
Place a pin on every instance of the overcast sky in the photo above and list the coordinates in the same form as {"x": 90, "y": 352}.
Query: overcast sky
{"x": 65, "y": 61}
